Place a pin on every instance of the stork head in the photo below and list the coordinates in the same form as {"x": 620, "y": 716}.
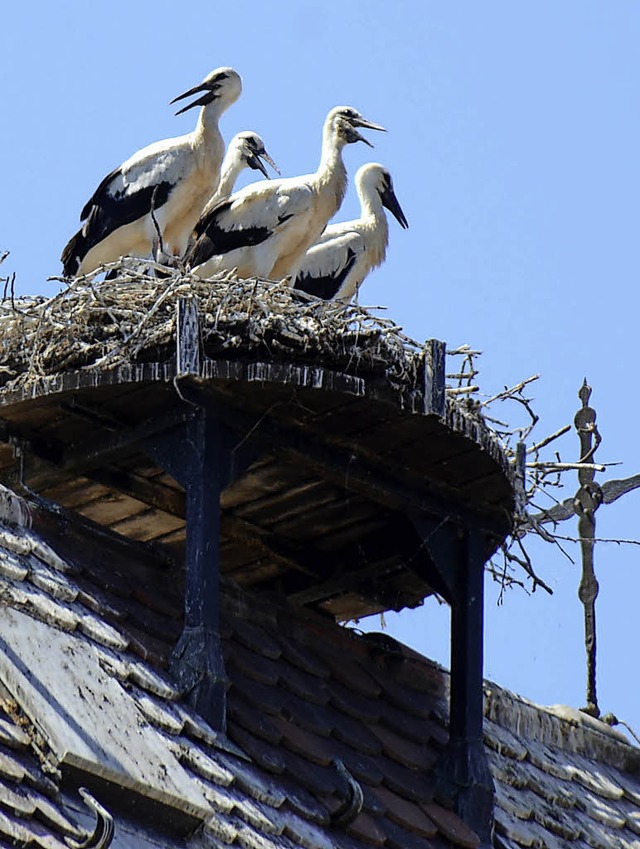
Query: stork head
{"x": 251, "y": 150}
{"x": 223, "y": 85}
{"x": 373, "y": 179}
{"x": 344, "y": 121}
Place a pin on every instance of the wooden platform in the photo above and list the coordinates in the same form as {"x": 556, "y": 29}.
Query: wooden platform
{"x": 323, "y": 513}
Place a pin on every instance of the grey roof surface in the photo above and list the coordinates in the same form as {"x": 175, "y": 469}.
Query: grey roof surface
{"x": 86, "y": 626}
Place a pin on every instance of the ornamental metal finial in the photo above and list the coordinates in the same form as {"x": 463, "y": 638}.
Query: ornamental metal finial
{"x": 587, "y": 500}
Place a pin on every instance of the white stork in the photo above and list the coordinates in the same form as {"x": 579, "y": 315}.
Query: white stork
{"x": 245, "y": 150}
{"x": 337, "y": 264}
{"x": 169, "y": 181}
{"x": 264, "y": 229}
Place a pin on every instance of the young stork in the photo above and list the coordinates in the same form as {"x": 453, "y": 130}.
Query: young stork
{"x": 169, "y": 180}
{"x": 337, "y": 264}
{"x": 245, "y": 150}
{"x": 264, "y": 229}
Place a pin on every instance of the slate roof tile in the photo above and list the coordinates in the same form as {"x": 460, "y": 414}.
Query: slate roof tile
{"x": 263, "y": 753}
{"x": 400, "y": 838}
{"x": 352, "y": 676}
{"x": 451, "y": 826}
{"x": 406, "y": 782}
{"x": 322, "y": 781}
{"x": 366, "y": 828}
{"x": 305, "y": 686}
{"x": 10, "y": 768}
{"x": 221, "y": 829}
{"x": 206, "y": 766}
{"x": 363, "y": 767}
{"x": 307, "y": 716}
{"x": 12, "y": 567}
{"x": 254, "y": 722}
{"x": 12, "y": 736}
{"x": 317, "y": 749}
{"x": 54, "y": 583}
{"x": 302, "y": 691}
{"x": 348, "y": 730}
{"x": 256, "y": 639}
{"x": 16, "y": 800}
{"x": 268, "y": 699}
{"x": 262, "y": 669}
{"x": 602, "y": 810}
{"x": 354, "y": 704}
{"x": 258, "y": 786}
{"x": 304, "y": 833}
{"x": 152, "y": 680}
{"x": 398, "y": 748}
{"x": 14, "y": 830}
{"x": 305, "y": 804}
{"x": 304, "y": 659}
{"x": 100, "y": 632}
{"x": 594, "y": 778}
{"x": 405, "y": 813}
{"x": 504, "y": 741}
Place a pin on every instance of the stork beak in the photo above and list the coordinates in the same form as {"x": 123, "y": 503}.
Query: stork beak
{"x": 389, "y": 199}
{"x": 264, "y": 155}
{"x": 210, "y": 94}
{"x": 362, "y": 122}
{"x": 255, "y": 161}
{"x": 369, "y": 125}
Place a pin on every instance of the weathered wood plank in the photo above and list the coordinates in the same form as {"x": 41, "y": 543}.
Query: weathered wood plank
{"x": 187, "y": 337}
{"x": 144, "y": 526}
{"x": 111, "y": 508}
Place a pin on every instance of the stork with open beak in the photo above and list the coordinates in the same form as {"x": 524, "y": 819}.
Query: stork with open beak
{"x": 162, "y": 187}
{"x": 337, "y": 264}
{"x": 265, "y": 229}
{"x": 245, "y": 150}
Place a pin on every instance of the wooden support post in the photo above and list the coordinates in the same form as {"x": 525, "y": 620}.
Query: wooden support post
{"x": 199, "y": 456}
{"x": 187, "y": 337}
{"x": 197, "y": 660}
{"x": 434, "y": 378}
{"x": 459, "y": 554}
{"x": 466, "y": 765}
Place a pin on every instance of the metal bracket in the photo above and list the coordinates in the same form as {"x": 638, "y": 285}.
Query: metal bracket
{"x": 102, "y": 834}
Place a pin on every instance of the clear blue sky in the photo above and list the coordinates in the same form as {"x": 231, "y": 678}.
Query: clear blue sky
{"x": 513, "y": 141}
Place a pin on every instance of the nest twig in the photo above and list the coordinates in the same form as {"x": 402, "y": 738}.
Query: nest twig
{"x": 130, "y": 318}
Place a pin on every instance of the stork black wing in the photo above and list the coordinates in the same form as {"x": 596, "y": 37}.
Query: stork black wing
{"x": 107, "y": 211}
{"x": 328, "y": 285}
{"x": 212, "y": 239}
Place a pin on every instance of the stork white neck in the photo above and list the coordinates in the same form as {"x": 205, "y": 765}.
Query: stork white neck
{"x": 331, "y": 172}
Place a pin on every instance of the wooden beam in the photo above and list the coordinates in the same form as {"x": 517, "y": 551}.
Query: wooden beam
{"x": 276, "y": 548}
{"x": 153, "y": 493}
{"x": 48, "y": 464}
{"x": 368, "y": 562}
{"x": 345, "y": 465}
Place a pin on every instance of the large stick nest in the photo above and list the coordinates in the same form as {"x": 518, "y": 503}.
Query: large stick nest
{"x": 131, "y": 318}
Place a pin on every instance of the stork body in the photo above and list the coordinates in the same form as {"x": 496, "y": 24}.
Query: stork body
{"x": 264, "y": 229}
{"x": 337, "y": 264}
{"x": 169, "y": 180}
